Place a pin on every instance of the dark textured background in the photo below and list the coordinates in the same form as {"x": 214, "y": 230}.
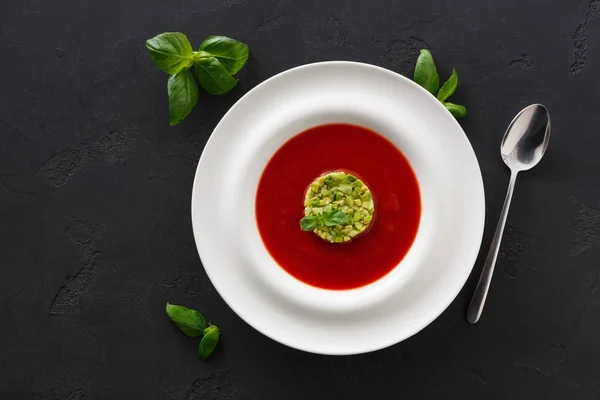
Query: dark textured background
{"x": 95, "y": 201}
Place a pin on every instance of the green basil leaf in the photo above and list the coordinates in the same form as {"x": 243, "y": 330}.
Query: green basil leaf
{"x": 171, "y": 51}
{"x": 309, "y": 223}
{"x": 191, "y": 322}
{"x": 231, "y": 53}
{"x": 183, "y": 95}
{"x": 213, "y": 76}
{"x": 456, "y": 110}
{"x": 209, "y": 341}
{"x": 336, "y": 217}
{"x": 449, "y": 87}
{"x": 425, "y": 72}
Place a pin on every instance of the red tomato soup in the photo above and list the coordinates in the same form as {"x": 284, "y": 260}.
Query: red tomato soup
{"x": 280, "y": 198}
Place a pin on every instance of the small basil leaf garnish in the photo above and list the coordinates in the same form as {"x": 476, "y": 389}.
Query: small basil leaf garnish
{"x": 209, "y": 341}
{"x": 191, "y": 322}
{"x": 336, "y": 217}
{"x": 231, "y": 53}
{"x": 171, "y": 51}
{"x": 183, "y": 96}
{"x": 448, "y": 87}
{"x": 426, "y": 74}
{"x": 309, "y": 223}
{"x": 213, "y": 76}
{"x": 456, "y": 110}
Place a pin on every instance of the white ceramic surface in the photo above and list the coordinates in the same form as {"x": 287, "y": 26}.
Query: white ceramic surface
{"x": 338, "y": 322}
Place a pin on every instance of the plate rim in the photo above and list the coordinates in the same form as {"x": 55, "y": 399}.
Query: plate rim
{"x": 471, "y": 259}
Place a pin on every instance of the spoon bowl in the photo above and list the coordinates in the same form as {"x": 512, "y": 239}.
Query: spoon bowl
{"x": 526, "y": 138}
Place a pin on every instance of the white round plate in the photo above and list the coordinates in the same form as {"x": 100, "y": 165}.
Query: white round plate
{"x": 322, "y": 321}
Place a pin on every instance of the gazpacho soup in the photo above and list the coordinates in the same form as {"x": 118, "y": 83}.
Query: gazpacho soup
{"x": 338, "y": 206}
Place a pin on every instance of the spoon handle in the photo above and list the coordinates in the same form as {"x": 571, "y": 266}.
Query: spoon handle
{"x": 478, "y": 301}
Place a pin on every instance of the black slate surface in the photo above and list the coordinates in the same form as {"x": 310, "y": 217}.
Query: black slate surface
{"x": 95, "y": 191}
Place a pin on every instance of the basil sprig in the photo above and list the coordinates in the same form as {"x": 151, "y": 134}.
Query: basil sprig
{"x": 427, "y": 76}
{"x": 333, "y": 218}
{"x": 193, "y": 324}
{"x": 215, "y": 63}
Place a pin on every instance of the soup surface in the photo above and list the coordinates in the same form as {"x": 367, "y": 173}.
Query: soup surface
{"x": 374, "y": 160}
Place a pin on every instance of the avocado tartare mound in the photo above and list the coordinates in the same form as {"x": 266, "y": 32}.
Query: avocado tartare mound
{"x": 337, "y": 207}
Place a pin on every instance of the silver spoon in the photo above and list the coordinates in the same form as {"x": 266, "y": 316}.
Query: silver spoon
{"x": 523, "y": 146}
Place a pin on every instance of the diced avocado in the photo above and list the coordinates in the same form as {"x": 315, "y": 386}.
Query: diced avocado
{"x": 345, "y": 188}
{"x": 342, "y": 204}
